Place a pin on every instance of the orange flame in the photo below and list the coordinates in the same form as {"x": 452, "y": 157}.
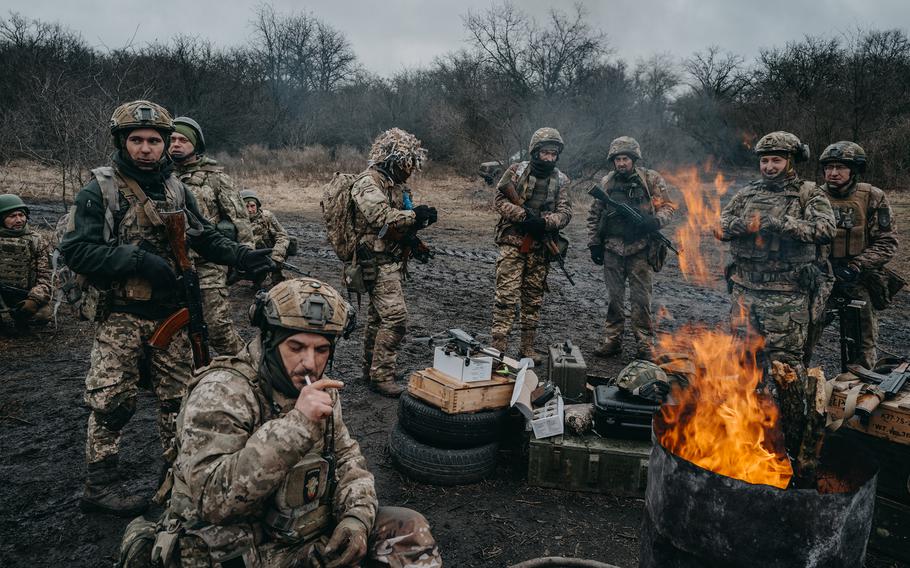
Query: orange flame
{"x": 720, "y": 422}
{"x": 697, "y": 246}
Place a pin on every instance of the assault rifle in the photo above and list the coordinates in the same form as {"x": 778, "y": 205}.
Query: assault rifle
{"x": 626, "y": 211}
{"x": 547, "y": 239}
{"x": 848, "y": 310}
{"x": 191, "y": 316}
{"x": 410, "y": 243}
{"x": 889, "y": 384}
{"x": 14, "y": 294}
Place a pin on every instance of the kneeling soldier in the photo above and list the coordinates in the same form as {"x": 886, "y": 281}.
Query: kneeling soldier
{"x": 25, "y": 274}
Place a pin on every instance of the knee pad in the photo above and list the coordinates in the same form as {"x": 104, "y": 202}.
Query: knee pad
{"x": 116, "y": 418}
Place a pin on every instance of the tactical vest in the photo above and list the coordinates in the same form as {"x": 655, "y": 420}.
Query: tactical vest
{"x": 197, "y": 181}
{"x": 135, "y": 227}
{"x": 635, "y": 193}
{"x": 851, "y": 216}
{"x": 761, "y": 251}
{"x": 538, "y": 194}
{"x": 17, "y": 260}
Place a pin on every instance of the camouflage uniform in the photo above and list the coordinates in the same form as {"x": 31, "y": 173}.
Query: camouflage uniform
{"x": 521, "y": 277}
{"x": 24, "y": 263}
{"x": 268, "y": 233}
{"x": 218, "y": 201}
{"x": 865, "y": 241}
{"x": 242, "y": 455}
{"x": 629, "y": 255}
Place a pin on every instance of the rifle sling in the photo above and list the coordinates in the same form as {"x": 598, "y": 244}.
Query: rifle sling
{"x": 148, "y": 206}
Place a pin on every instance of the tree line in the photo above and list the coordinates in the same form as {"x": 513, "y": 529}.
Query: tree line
{"x": 296, "y": 82}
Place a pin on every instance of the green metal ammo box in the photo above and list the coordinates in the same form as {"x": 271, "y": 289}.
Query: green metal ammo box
{"x": 567, "y": 370}
{"x": 590, "y": 463}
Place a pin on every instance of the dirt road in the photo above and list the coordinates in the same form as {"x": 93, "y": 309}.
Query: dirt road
{"x": 494, "y": 523}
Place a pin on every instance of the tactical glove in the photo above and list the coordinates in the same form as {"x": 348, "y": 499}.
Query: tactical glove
{"x": 597, "y": 254}
{"x": 737, "y": 228}
{"x": 348, "y": 544}
{"x": 846, "y": 273}
{"x": 255, "y": 261}
{"x": 424, "y": 216}
{"x": 771, "y": 225}
{"x": 157, "y": 271}
{"x": 534, "y": 226}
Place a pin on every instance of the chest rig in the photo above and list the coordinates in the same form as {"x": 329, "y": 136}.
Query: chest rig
{"x": 538, "y": 194}
{"x": 633, "y": 192}
{"x": 851, "y": 214}
{"x": 17, "y": 260}
{"x": 196, "y": 179}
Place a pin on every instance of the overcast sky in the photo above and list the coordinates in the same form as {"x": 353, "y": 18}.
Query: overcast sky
{"x": 390, "y": 35}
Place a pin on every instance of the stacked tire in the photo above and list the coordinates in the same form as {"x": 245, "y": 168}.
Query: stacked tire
{"x": 431, "y": 446}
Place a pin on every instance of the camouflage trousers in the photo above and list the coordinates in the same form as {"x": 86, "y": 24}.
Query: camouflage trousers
{"x": 223, "y": 338}
{"x": 387, "y": 320}
{"x": 112, "y": 383}
{"x": 868, "y": 325}
{"x": 638, "y": 272}
{"x": 400, "y": 538}
{"x": 781, "y": 318}
{"x": 521, "y": 280}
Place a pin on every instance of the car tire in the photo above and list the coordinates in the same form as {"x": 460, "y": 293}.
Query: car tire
{"x": 432, "y": 426}
{"x": 440, "y": 466}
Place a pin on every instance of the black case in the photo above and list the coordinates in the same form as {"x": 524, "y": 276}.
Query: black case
{"x": 619, "y": 414}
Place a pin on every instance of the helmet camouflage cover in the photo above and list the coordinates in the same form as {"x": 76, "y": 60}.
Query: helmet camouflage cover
{"x": 845, "y": 152}
{"x": 545, "y": 136}
{"x": 782, "y": 142}
{"x": 11, "y": 202}
{"x": 140, "y": 114}
{"x": 624, "y": 145}
{"x": 398, "y": 146}
{"x": 644, "y": 379}
{"x": 306, "y": 305}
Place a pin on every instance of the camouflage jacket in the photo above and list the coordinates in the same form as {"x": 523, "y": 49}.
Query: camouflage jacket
{"x": 268, "y": 233}
{"x": 25, "y": 263}
{"x": 217, "y": 200}
{"x": 769, "y": 260}
{"x": 380, "y": 202}
{"x": 236, "y": 447}
{"x": 877, "y": 236}
{"x": 557, "y": 206}
{"x": 652, "y": 196}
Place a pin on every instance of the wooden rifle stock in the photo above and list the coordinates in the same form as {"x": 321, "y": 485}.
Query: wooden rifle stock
{"x": 175, "y": 224}
{"x": 166, "y": 330}
{"x": 510, "y": 193}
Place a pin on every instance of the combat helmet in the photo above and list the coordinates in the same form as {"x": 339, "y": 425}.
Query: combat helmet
{"x": 250, "y": 194}
{"x": 11, "y": 202}
{"x": 199, "y": 146}
{"x": 399, "y": 147}
{"x": 543, "y": 137}
{"x": 140, "y": 114}
{"x": 781, "y": 142}
{"x": 624, "y": 145}
{"x": 644, "y": 379}
{"x": 305, "y": 305}
{"x": 845, "y": 152}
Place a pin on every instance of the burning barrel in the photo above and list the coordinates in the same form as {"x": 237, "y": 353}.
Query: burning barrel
{"x": 697, "y": 518}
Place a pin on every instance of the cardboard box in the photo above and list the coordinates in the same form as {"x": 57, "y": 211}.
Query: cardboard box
{"x": 550, "y": 419}
{"x": 465, "y": 369}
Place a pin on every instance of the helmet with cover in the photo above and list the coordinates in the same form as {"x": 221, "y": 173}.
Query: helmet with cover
{"x": 624, "y": 146}
{"x": 845, "y": 152}
{"x": 397, "y": 149}
{"x": 781, "y": 142}
{"x": 140, "y": 114}
{"x": 546, "y": 136}
{"x": 304, "y": 305}
{"x": 644, "y": 379}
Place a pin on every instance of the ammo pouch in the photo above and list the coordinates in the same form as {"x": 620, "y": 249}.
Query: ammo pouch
{"x": 657, "y": 254}
{"x": 96, "y": 304}
{"x": 301, "y": 508}
{"x": 361, "y": 274}
{"x": 883, "y": 284}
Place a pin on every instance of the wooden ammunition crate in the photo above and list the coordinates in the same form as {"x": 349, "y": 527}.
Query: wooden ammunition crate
{"x": 590, "y": 463}
{"x": 890, "y": 421}
{"x": 453, "y": 396}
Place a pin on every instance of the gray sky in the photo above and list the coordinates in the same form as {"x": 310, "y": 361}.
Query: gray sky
{"x": 391, "y": 35}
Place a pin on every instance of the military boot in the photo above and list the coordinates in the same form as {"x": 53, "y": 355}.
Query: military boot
{"x": 104, "y": 492}
{"x": 500, "y": 342}
{"x": 527, "y": 347}
{"x": 609, "y": 348}
{"x": 388, "y": 388}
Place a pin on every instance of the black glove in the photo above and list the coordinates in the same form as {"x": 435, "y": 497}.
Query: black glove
{"x": 597, "y": 254}
{"x": 649, "y": 224}
{"x": 157, "y": 271}
{"x": 846, "y": 273}
{"x": 534, "y": 226}
{"x": 424, "y": 216}
{"x": 255, "y": 261}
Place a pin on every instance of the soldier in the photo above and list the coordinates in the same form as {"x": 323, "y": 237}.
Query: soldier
{"x": 533, "y": 205}
{"x": 383, "y": 205}
{"x": 115, "y": 238}
{"x": 865, "y": 241}
{"x": 25, "y": 273}
{"x": 774, "y": 226}
{"x": 626, "y": 250}
{"x": 267, "y": 232}
{"x": 221, "y": 206}
{"x": 267, "y": 470}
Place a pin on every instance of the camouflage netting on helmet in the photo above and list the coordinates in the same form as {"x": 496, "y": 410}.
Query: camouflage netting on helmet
{"x": 400, "y": 147}
{"x": 845, "y": 152}
{"x": 544, "y": 137}
{"x": 624, "y": 146}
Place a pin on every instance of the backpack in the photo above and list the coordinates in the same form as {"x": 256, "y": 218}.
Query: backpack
{"x": 338, "y": 212}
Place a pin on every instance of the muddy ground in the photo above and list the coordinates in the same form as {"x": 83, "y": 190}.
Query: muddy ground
{"x": 494, "y": 523}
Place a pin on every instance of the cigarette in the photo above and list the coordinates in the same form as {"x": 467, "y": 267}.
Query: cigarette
{"x": 307, "y": 379}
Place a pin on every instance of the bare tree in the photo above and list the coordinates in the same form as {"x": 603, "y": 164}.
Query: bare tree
{"x": 715, "y": 74}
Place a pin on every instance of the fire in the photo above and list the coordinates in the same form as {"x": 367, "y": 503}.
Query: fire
{"x": 720, "y": 422}
{"x": 696, "y": 243}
